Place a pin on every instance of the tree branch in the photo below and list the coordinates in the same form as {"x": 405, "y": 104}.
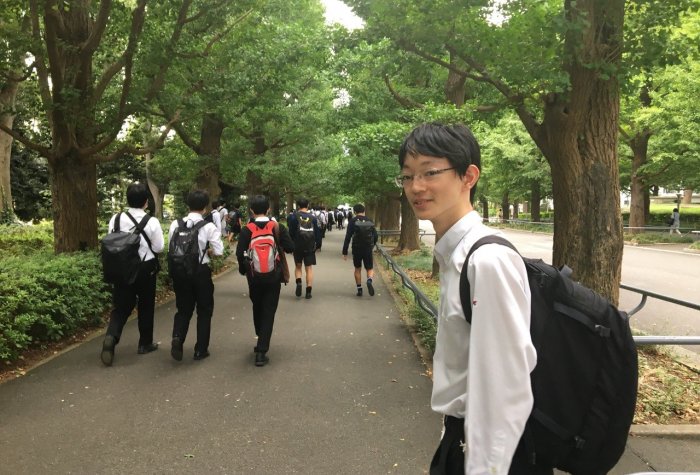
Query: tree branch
{"x": 98, "y": 29}
{"x": 42, "y": 150}
{"x": 404, "y": 101}
{"x": 218, "y": 37}
{"x": 130, "y": 149}
{"x": 40, "y": 62}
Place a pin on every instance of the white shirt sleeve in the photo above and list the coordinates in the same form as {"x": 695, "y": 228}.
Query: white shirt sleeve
{"x": 214, "y": 238}
{"x": 501, "y": 358}
{"x": 155, "y": 234}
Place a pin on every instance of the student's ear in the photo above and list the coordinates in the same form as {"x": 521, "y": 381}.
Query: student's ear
{"x": 471, "y": 177}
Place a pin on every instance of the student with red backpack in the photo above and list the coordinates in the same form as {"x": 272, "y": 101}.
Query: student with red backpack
{"x": 260, "y": 249}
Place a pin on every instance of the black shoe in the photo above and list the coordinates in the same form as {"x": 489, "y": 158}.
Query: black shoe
{"x": 359, "y": 292}
{"x": 261, "y": 359}
{"x": 200, "y": 355}
{"x": 107, "y": 355}
{"x": 143, "y": 349}
{"x": 308, "y": 292}
{"x": 370, "y": 288}
{"x": 298, "y": 290}
{"x": 176, "y": 349}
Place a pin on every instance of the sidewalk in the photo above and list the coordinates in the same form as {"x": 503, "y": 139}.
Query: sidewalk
{"x": 345, "y": 393}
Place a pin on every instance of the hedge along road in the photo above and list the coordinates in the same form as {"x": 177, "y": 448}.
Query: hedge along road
{"x": 666, "y": 269}
{"x": 345, "y": 392}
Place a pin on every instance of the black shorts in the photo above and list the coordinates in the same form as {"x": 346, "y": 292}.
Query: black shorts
{"x": 308, "y": 258}
{"x": 363, "y": 258}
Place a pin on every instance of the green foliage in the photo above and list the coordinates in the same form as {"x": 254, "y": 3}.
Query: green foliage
{"x": 46, "y": 297}
{"x": 20, "y": 240}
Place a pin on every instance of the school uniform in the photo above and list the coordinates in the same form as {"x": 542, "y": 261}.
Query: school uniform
{"x": 481, "y": 372}
{"x": 197, "y": 292}
{"x": 143, "y": 290}
{"x": 264, "y": 296}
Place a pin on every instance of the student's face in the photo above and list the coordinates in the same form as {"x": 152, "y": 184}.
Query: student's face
{"x": 442, "y": 198}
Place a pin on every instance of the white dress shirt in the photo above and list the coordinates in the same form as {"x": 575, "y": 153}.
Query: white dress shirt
{"x": 481, "y": 372}
{"x": 208, "y": 233}
{"x": 152, "y": 230}
{"x": 223, "y": 215}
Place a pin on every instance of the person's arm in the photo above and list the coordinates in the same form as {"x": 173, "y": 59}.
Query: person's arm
{"x": 293, "y": 225}
{"x": 155, "y": 234}
{"x": 241, "y": 248}
{"x": 216, "y": 246}
{"x": 348, "y": 237}
{"x": 286, "y": 240}
{"x": 501, "y": 358}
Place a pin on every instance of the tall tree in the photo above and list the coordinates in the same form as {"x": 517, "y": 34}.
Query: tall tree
{"x": 556, "y": 63}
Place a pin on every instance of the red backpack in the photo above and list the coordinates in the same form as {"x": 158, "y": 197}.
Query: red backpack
{"x": 263, "y": 256}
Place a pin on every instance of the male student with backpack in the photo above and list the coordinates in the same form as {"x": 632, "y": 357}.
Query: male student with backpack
{"x": 537, "y": 370}
{"x": 234, "y": 222}
{"x": 192, "y": 241}
{"x": 141, "y": 284}
{"x": 306, "y": 233}
{"x": 481, "y": 373}
{"x": 259, "y": 253}
{"x": 364, "y": 236}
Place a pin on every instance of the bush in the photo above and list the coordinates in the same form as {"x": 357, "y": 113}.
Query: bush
{"x": 19, "y": 239}
{"x": 45, "y": 297}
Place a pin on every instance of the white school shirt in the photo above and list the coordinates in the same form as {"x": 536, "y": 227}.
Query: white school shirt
{"x": 207, "y": 233}
{"x": 482, "y": 372}
{"x": 152, "y": 230}
{"x": 216, "y": 219}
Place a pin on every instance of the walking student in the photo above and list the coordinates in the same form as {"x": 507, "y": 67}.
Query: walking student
{"x": 305, "y": 232}
{"x": 675, "y": 222}
{"x": 481, "y": 372}
{"x": 192, "y": 242}
{"x": 362, "y": 232}
{"x": 143, "y": 290}
{"x": 261, "y": 240}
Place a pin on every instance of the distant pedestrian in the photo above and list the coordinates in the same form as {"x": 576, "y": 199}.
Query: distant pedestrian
{"x": 234, "y": 222}
{"x": 362, "y": 232}
{"x": 481, "y": 372}
{"x": 143, "y": 289}
{"x": 263, "y": 288}
{"x": 305, "y": 232}
{"x": 675, "y": 222}
{"x": 192, "y": 241}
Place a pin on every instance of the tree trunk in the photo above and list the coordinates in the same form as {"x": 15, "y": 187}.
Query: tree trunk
{"x": 408, "y": 241}
{"x": 455, "y": 86}
{"x": 485, "y": 210}
{"x": 290, "y": 202}
{"x": 72, "y": 182}
{"x": 8, "y": 94}
{"x": 210, "y": 155}
{"x": 155, "y": 190}
{"x": 515, "y": 209}
{"x": 274, "y": 202}
{"x": 687, "y": 196}
{"x": 505, "y": 207}
{"x": 639, "y": 145}
{"x": 535, "y": 201}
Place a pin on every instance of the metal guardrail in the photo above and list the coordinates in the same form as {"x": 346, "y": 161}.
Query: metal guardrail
{"x": 429, "y": 307}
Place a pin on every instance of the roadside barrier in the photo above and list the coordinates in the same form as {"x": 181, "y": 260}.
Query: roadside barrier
{"x": 429, "y": 307}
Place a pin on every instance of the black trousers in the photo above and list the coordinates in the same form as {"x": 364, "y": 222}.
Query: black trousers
{"x": 449, "y": 456}
{"x": 265, "y": 298}
{"x": 190, "y": 294}
{"x": 125, "y": 298}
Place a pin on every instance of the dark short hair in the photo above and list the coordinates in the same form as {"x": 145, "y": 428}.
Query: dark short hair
{"x": 455, "y": 142}
{"x": 302, "y": 203}
{"x": 359, "y": 208}
{"x": 259, "y": 204}
{"x": 136, "y": 195}
{"x": 197, "y": 200}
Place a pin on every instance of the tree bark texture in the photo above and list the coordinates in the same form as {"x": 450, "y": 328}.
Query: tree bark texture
{"x": 8, "y": 93}
{"x": 408, "y": 241}
{"x": 535, "y": 201}
{"x": 210, "y": 155}
{"x": 638, "y": 205}
{"x": 578, "y": 137}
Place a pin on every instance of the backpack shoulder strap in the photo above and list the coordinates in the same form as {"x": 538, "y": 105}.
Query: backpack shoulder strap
{"x": 117, "y": 219}
{"x": 464, "y": 287}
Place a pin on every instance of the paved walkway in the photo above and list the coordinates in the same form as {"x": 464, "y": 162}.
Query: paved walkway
{"x": 345, "y": 393}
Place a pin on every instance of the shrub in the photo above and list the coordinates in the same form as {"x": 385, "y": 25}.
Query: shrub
{"x": 46, "y": 297}
{"x": 20, "y": 239}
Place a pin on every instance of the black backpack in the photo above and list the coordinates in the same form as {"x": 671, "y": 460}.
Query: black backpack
{"x": 183, "y": 251}
{"x": 120, "y": 252}
{"x": 306, "y": 238}
{"x": 363, "y": 237}
{"x": 585, "y": 381}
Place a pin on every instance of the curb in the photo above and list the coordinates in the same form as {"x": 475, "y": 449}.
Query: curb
{"x": 678, "y": 431}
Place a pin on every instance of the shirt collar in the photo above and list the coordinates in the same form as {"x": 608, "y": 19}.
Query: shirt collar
{"x": 262, "y": 219}
{"x": 194, "y": 217}
{"x": 448, "y": 242}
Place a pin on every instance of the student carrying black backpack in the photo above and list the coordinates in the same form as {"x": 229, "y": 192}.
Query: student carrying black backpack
{"x": 585, "y": 381}
{"x": 120, "y": 251}
{"x": 183, "y": 250}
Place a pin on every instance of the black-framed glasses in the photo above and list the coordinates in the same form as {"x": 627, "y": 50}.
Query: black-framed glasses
{"x": 427, "y": 176}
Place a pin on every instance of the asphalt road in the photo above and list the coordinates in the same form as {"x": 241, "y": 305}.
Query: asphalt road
{"x": 345, "y": 393}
